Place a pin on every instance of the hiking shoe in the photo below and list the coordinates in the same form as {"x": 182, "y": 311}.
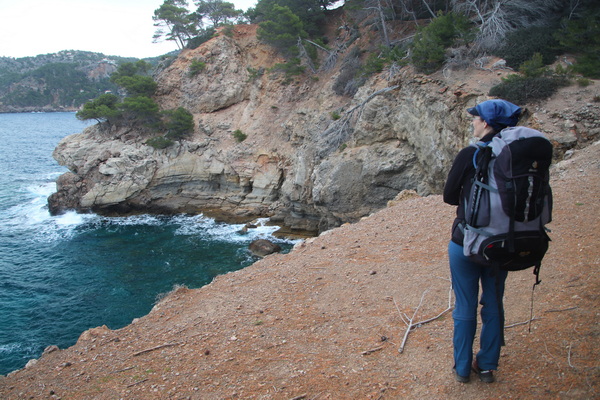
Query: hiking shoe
{"x": 484, "y": 376}
{"x": 460, "y": 378}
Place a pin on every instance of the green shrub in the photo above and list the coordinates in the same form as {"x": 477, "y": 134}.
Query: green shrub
{"x": 560, "y": 70}
{"x": 178, "y": 123}
{"x": 520, "y": 46}
{"x": 430, "y": 42}
{"x": 137, "y": 85}
{"x": 204, "y": 36}
{"x": 134, "y": 79}
{"x": 376, "y": 62}
{"x": 281, "y": 30}
{"x": 536, "y": 82}
{"x": 290, "y": 68}
{"x": 588, "y": 65}
{"x": 373, "y": 65}
{"x": 159, "y": 142}
{"x": 103, "y": 108}
{"x": 533, "y": 67}
{"x": 255, "y": 73}
{"x": 523, "y": 89}
{"x": 335, "y": 115}
{"x": 196, "y": 67}
{"x": 239, "y": 136}
{"x": 140, "y": 109}
{"x": 584, "y": 82}
{"x": 581, "y": 36}
{"x": 228, "y": 30}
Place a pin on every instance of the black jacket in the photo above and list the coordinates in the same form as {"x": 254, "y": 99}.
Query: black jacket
{"x": 458, "y": 185}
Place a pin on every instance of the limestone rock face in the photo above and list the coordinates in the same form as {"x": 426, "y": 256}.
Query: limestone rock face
{"x": 299, "y": 165}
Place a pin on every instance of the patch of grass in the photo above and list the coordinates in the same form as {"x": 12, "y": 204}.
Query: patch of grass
{"x": 584, "y": 82}
{"x": 239, "y": 136}
{"x": 196, "y": 67}
{"x": 159, "y": 142}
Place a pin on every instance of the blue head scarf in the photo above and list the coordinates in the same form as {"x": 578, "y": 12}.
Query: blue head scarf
{"x": 497, "y": 113}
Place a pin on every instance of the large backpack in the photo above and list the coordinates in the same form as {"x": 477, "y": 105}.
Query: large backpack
{"x": 510, "y": 201}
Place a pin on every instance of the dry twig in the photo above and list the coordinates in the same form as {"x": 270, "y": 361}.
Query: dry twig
{"x": 137, "y": 383}
{"x": 367, "y": 352}
{"x": 156, "y": 348}
{"x": 122, "y": 370}
{"x": 521, "y": 323}
{"x": 561, "y": 310}
{"x": 569, "y": 355}
{"x": 412, "y": 325}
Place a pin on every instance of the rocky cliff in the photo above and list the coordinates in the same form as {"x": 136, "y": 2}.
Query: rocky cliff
{"x": 312, "y": 159}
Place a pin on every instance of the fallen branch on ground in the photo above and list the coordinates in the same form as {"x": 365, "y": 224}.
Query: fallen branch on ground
{"x": 561, "y": 310}
{"x": 162, "y": 346}
{"x": 122, "y": 370}
{"x": 521, "y": 323}
{"x": 137, "y": 383}
{"x": 367, "y": 352}
{"x": 569, "y": 355}
{"x": 412, "y": 325}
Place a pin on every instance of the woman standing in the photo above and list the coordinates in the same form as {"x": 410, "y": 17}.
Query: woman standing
{"x": 489, "y": 118}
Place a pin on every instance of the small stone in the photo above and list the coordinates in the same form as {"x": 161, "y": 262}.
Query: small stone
{"x": 50, "y": 349}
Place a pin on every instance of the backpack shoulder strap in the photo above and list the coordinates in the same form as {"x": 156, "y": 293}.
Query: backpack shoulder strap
{"x": 479, "y": 147}
{"x": 481, "y": 160}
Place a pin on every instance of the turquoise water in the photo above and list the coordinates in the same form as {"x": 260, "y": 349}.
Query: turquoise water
{"x": 62, "y": 275}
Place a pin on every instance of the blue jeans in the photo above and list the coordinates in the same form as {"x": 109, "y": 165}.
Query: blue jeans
{"x": 466, "y": 276}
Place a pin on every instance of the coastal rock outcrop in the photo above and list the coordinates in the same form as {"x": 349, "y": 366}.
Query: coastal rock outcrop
{"x": 312, "y": 159}
{"x": 263, "y": 247}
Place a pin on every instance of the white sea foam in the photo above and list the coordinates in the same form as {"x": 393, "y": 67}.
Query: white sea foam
{"x": 34, "y": 216}
{"x": 72, "y": 219}
{"x": 134, "y": 220}
{"x": 230, "y": 233}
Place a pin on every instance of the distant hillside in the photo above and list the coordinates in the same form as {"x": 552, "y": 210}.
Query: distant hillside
{"x": 58, "y": 81}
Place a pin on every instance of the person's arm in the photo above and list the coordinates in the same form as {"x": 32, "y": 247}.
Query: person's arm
{"x": 462, "y": 163}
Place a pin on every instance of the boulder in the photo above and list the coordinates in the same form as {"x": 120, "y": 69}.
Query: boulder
{"x": 263, "y": 247}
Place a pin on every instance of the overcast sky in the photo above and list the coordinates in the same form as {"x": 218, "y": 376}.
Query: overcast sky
{"x": 113, "y": 27}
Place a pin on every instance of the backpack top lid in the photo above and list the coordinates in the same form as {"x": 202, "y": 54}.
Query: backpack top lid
{"x": 497, "y": 113}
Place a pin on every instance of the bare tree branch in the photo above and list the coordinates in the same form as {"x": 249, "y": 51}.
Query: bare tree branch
{"x": 429, "y": 9}
{"x": 304, "y": 55}
{"x": 497, "y": 18}
{"x": 412, "y": 325}
{"x": 155, "y": 348}
{"x": 338, "y": 133}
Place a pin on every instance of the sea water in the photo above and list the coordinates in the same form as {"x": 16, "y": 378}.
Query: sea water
{"x": 61, "y": 275}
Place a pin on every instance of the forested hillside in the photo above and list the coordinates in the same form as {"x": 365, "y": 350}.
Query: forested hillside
{"x": 58, "y": 81}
